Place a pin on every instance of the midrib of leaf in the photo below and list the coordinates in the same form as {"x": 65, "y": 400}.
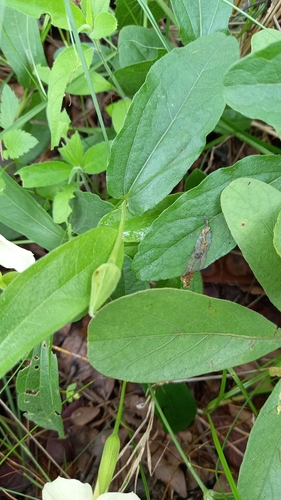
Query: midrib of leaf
{"x": 200, "y": 18}
{"x": 17, "y": 27}
{"x": 228, "y": 338}
{"x": 214, "y": 15}
{"x": 19, "y": 34}
{"x": 160, "y": 140}
{"x": 132, "y": 13}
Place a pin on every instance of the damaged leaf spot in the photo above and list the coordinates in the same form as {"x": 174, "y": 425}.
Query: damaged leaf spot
{"x": 199, "y": 254}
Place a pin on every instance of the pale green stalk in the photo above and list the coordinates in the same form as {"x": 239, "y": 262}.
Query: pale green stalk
{"x": 85, "y": 67}
{"x": 149, "y": 15}
{"x": 246, "y": 15}
{"x": 223, "y": 460}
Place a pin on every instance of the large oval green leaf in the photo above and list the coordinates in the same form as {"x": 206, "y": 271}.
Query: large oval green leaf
{"x": 251, "y": 208}
{"x": 168, "y": 245}
{"x": 165, "y": 129}
{"x": 199, "y": 18}
{"x": 50, "y": 294}
{"x": 260, "y": 476}
{"x": 168, "y": 334}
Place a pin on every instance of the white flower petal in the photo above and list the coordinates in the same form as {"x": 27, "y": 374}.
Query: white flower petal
{"x": 118, "y": 496}
{"x": 14, "y": 257}
{"x": 67, "y": 489}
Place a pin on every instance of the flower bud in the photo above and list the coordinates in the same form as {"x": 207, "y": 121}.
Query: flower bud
{"x": 108, "y": 463}
{"x": 104, "y": 282}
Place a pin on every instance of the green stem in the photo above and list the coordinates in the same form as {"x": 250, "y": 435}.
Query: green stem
{"x": 222, "y": 458}
{"x": 45, "y": 28}
{"x": 243, "y": 391}
{"x": 115, "y": 252}
{"x": 86, "y": 70}
{"x": 108, "y": 69}
{"x": 176, "y": 443}
{"x": 256, "y": 143}
{"x": 120, "y": 408}
{"x": 167, "y": 11}
{"x": 215, "y": 403}
{"x": 246, "y": 15}
{"x": 145, "y": 17}
{"x": 149, "y": 15}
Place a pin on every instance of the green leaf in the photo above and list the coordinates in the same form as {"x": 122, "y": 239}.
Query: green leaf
{"x": 130, "y": 12}
{"x": 7, "y": 278}
{"x": 61, "y": 207}
{"x": 87, "y": 210}
{"x": 44, "y": 174}
{"x": 18, "y": 142}
{"x": 251, "y": 208}
{"x": 9, "y": 107}
{"x": 259, "y": 473}
{"x": 2, "y": 187}
{"x": 104, "y": 25}
{"x": 38, "y": 389}
{"x": 21, "y": 44}
{"x": 131, "y": 78}
{"x": 169, "y": 334}
{"x": 96, "y": 159}
{"x": 137, "y": 44}
{"x": 147, "y": 174}
{"x": 19, "y": 211}
{"x": 136, "y": 227}
{"x": 194, "y": 179}
{"x": 166, "y": 249}
{"x": 264, "y": 38}
{"x": 128, "y": 282}
{"x": 79, "y": 86}
{"x": 253, "y": 86}
{"x": 94, "y": 7}
{"x": 177, "y": 404}
{"x": 62, "y": 72}
{"x": 6, "y": 231}
{"x": 196, "y": 19}
{"x": 72, "y": 151}
{"x": 118, "y": 111}
{"x": 54, "y": 8}
{"x": 50, "y": 293}
{"x": 241, "y": 122}
{"x": 277, "y": 235}
{"x": 37, "y": 128}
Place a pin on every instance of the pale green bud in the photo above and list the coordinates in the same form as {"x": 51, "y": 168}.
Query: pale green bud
{"x": 108, "y": 463}
{"x": 104, "y": 282}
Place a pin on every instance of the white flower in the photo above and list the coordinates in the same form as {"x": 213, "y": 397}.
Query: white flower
{"x": 14, "y": 257}
{"x": 72, "y": 489}
{"x": 67, "y": 489}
